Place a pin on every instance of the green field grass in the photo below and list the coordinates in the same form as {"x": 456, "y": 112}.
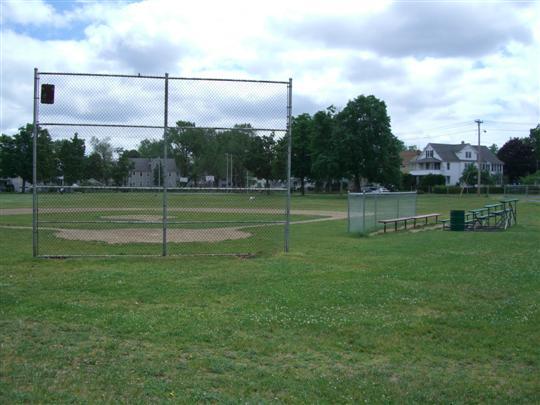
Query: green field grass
{"x": 429, "y": 316}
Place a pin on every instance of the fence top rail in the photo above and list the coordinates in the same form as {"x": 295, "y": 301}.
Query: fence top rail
{"x": 383, "y": 194}
{"x": 74, "y": 124}
{"x": 156, "y": 188}
{"x": 139, "y": 76}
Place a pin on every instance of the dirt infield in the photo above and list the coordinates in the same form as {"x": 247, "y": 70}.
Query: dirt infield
{"x": 122, "y": 236}
{"x": 155, "y": 235}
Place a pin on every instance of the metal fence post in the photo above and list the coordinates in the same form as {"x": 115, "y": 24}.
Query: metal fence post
{"x": 165, "y": 125}
{"x": 289, "y": 151}
{"x": 348, "y": 212}
{"x": 34, "y": 164}
{"x": 364, "y": 212}
{"x": 375, "y": 211}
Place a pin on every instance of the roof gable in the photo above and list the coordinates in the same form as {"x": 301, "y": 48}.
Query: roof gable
{"x": 449, "y": 152}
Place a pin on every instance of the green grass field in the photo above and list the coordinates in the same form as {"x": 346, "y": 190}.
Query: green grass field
{"x": 429, "y": 316}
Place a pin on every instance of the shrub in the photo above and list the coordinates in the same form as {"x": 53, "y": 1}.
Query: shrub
{"x": 429, "y": 181}
{"x": 439, "y": 189}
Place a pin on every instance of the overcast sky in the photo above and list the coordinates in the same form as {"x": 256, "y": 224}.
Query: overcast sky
{"x": 437, "y": 65}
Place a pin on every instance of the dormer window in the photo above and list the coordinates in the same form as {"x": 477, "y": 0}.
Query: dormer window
{"x": 429, "y": 153}
{"x": 468, "y": 155}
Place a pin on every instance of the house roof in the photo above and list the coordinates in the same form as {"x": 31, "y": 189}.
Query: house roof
{"x": 407, "y": 156}
{"x": 448, "y": 152}
{"x": 145, "y": 164}
{"x": 486, "y": 155}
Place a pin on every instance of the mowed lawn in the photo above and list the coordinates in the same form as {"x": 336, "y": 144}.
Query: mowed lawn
{"x": 429, "y": 316}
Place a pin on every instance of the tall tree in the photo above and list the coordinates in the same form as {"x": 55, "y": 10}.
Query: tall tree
{"x": 261, "y": 151}
{"x": 494, "y": 148}
{"x": 302, "y": 131}
{"x": 534, "y": 141}
{"x": 470, "y": 176}
{"x": 94, "y": 167}
{"x": 104, "y": 149}
{"x": 367, "y": 145}
{"x": 149, "y": 148}
{"x": 8, "y": 156}
{"x": 518, "y": 157}
{"x": 325, "y": 152}
{"x": 70, "y": 154}
{"x": 121, "y": 167}
{"x": 16, "y": 155}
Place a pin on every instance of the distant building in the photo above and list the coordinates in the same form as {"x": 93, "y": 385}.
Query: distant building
{"x": 145, "y": 173}
{"x": 406, "y": 157}
{"x": 451, "y": 160}
{"x": 12, "y": 184}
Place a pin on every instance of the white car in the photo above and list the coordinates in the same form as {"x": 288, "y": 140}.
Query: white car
{"x": 373, "y": 189}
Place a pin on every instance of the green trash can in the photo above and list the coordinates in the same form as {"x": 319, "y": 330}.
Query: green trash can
{"x": 457, "y": 220}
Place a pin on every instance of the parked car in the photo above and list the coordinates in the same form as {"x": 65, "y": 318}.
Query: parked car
{"x": 374, "y": 189}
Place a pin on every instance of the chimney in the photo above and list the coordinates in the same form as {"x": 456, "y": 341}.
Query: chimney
{"x": 463, "y": 142}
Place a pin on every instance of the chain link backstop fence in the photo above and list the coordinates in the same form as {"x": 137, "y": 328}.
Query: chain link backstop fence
{"x": 366, "y": 209}
{"x": 160, "y": 165}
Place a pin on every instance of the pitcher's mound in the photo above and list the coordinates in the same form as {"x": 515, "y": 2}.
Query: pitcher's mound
{"x": 119, "y": 236}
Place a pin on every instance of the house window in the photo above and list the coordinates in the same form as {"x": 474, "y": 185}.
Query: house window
{"x": 467, "y": 155}
{"x": 447, "y": 166}
{"x": 140, "y": 174}
{"x": 429, "y": 153}
{"x": 437, "y": 166}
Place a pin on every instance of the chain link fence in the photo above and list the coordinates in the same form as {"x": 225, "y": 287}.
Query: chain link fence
{"x": 366, "y": 209}
{"x": 528, "y": 192}
{"x": 160, "y": 165}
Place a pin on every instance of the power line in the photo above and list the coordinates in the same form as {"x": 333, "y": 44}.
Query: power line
{"x": 447, "y": 127}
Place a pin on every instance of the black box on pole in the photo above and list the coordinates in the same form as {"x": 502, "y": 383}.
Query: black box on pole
{"x": 47, "y": 94}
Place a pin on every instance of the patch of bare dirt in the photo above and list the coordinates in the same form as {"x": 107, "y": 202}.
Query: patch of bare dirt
{"x": 121, "y": 236}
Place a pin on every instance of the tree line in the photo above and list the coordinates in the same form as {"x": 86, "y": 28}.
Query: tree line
{"x": 196, "y": 151}
{"x": 354, "y": 143}
{"x": 521, "y": 157}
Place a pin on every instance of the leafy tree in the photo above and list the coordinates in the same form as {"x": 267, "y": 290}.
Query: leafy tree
{"x": 261, "y": 156}
{"x": 470, "y": 176}
{"x": 534, "y": 141}
{"x": 408, "y": 181}
{"x": 325, "y": 154}
{"x": 133, "y": 153}
{"x": 120, "y": 169}
{"x": 518, "y": 157}
{"x": 367, "y": 146}
{"x": 302, "y": 131}
{"x": 234, "y": 142}
{"x": 94, "y": 167}
{"x": 70, "y": 154}
{"x": 428, "y": 181}
{"x": 8, "y": 156}
{"x": 187, "y": 144}
{"x": 104, "y": 149}
{"x": 494, "y": 148}
{"x": 150, "y": 148}
{"x": 531, "y": 179}
{"x": 279, "y": 164}
{"x": 16, "y": 155}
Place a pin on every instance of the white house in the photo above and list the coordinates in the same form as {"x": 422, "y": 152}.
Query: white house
{"x": 451, "y": 160}
{"x": 143, "y": 173}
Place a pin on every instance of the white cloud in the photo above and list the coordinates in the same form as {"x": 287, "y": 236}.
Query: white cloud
{"x": 35, "y": 12}
{"x": 432, "y": 63}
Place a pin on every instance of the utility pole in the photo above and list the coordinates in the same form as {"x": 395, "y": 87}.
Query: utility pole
{"x": 478, "y": 157}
